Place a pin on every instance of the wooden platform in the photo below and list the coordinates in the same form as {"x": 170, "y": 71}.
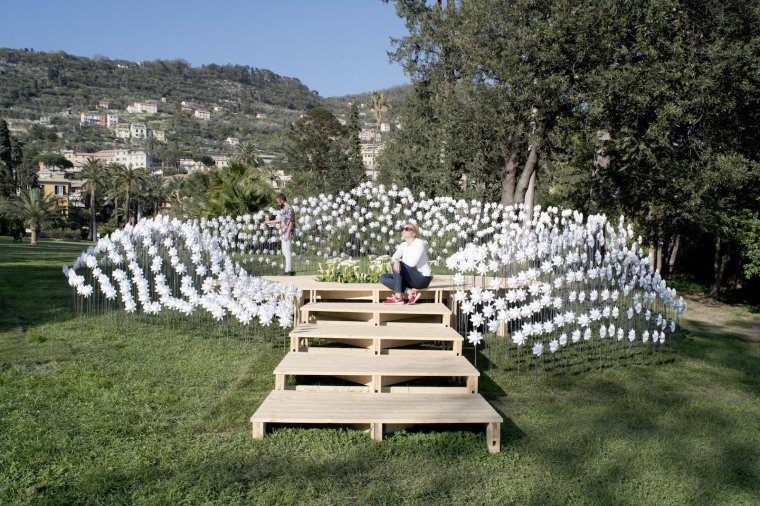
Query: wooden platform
{"x": 376, "y": 313}
{"x": 373, "y": 377}
{"x": 377, "y": 410}
{"x": 379, "y": 372}
{"x": 374, "y": 338}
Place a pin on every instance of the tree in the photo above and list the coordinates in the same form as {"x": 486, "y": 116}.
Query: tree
{"x": 246, "y": 154}
{"x": 32, "y": 207}
{"x": 6, "y": 164}
{"x": 611, "y": 106}
{"x": 155, "y": 192}
{"x": 318, "y": 155}
{"x": 378, "y": 106}
{"x": 128, "y": 181}
{"x": 236, "y": 190}
{"x": 94, "y": 175}
{"x": 55, "y": 160}
{"x": 353, "y": 129}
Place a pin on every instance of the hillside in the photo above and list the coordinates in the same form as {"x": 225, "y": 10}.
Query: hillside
{"x": 46, "y": 95}
{"x": 53, "y": 89}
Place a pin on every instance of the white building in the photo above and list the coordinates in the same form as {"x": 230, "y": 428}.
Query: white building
{"x": 221, "y": 160}
{"x": 138, "y": 131}
{"x": 112, "y": 121}
{"x": 89, "y": 118}
{"x": 143, "y": 107}
{"x": 122, "y": 132}
{"x": 232, "y": 141}
{"x": 202, "y": 114}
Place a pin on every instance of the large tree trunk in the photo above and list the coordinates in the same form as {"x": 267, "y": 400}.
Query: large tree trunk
{"x": 126, "y": 206}
{"x": 93, "y": 229}
{"x": 720, "y": 263}
{"x": 675, "y": 243}
{"x": 529, "y": 169}
{"x": 601, "y": 163}
{"x": 508, "y": 179}
{"x": 33, "y": 240}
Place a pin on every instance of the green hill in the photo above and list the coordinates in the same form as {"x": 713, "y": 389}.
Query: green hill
{"x": 43, "y": 94}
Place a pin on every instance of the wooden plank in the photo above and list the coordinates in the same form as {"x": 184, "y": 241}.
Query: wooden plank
{"x": 287, "y": 406}
{"x": 399, "y": 390}
{"x": 343, "y": 364}
{"x": 411, "y": 332}
{"x": 371, "y": 307}
{"x": 493, "y": 437}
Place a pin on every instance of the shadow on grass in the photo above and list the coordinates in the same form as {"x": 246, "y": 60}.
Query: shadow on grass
{"x": 33, "y": 289}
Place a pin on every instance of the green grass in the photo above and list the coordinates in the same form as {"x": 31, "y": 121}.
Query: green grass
{"x": 108, "y": 411}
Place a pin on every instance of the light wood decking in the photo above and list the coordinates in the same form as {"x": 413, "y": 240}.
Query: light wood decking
{"x": 379, "y": 372}
{"x": 377, "y": 410}
{"x": 374, "y": 338}
{"x": 376, "y": 366}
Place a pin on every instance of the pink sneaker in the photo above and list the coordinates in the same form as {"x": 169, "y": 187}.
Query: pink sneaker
{"x": 394, "y": 300}
{"x": 414, "y": 296}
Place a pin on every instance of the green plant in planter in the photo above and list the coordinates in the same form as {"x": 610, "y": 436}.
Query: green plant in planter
{"x": 350, "y": 270}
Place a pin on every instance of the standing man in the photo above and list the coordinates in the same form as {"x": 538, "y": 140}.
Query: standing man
{"x": 287, "y": 220}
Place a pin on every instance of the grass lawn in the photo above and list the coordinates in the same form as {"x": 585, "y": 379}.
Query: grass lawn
{"x": 101, "y": 411}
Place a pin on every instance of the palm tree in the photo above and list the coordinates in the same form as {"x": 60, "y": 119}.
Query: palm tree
{"x": 236, "y": 190}
{"x": 94, "y": 175}
{"x": 378, "y": 106}
{"x": 156, "y": 191}
{"x": 128, "y": 180}
{"x": 32, "y": 207}
{"x": 246, "y": 154}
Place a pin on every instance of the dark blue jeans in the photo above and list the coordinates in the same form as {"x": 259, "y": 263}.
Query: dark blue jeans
{"x": 408, "y": 277}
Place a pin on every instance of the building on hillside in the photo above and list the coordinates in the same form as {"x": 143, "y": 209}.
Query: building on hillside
{"x": 122, "y": 132}
{"x": 104, "y": 104}
{"x": 189, "y": 165}
{"x": 232, "y": 141}
{"x": 46, "y": 120}
{"x": 279, "y": 180}
{"x": 138, "y": 131}
{"x": 367, "y": 135}
{"x": 112, "y": 121}
{"x": 143, "y": 107}
{"x": 385, "y": 127}
{"x": 124, "y": 157}
{"x": 89, "y": 118}
{"x": 261, "y": 115}
{"x": 202, "y": 114}
{"x": 369, "y": 157}
{"x": 159, "y": 135}
{"x": 63, "y": 186}
{"x": 221, "y": 160}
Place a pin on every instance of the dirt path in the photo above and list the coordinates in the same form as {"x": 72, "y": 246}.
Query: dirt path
{"x": 734, "y": 318}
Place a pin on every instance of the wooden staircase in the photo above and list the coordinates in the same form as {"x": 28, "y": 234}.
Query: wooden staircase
{"x": 374, "y": 365}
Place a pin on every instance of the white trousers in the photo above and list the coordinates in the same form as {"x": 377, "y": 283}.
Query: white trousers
{"x": 287, "y": 252}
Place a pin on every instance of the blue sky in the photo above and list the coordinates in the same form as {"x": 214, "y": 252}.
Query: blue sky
{"x": 336, "y": 47}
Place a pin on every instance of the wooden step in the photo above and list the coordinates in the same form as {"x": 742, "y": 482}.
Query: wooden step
{"x": 377, "y": 339}
{"x": 380, "y": 372}
{"x": 314, "y": 290}
{"x": 376, "y": 313}
{"x": 377, "y": 411}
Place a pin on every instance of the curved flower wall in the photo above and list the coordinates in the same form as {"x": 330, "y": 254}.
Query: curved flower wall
{"x": 543, "y": 284}
{"x": 182, "y": 266}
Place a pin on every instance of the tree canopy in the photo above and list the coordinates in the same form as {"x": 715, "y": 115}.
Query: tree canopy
{"x": 634, "y": 107}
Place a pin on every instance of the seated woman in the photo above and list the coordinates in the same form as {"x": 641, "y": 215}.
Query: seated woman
{"x": 411, "y": 268}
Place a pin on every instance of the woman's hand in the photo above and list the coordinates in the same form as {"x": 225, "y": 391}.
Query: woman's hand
{"x": 396, "y": 265}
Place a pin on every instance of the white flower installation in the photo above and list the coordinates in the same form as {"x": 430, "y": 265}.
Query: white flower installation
{"x": 562, "y": 278}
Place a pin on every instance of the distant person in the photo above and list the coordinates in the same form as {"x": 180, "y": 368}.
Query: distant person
{"x": 411, "y": 268}
{"x": 16, "y": 236}
{"x": 287, "y": 220}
